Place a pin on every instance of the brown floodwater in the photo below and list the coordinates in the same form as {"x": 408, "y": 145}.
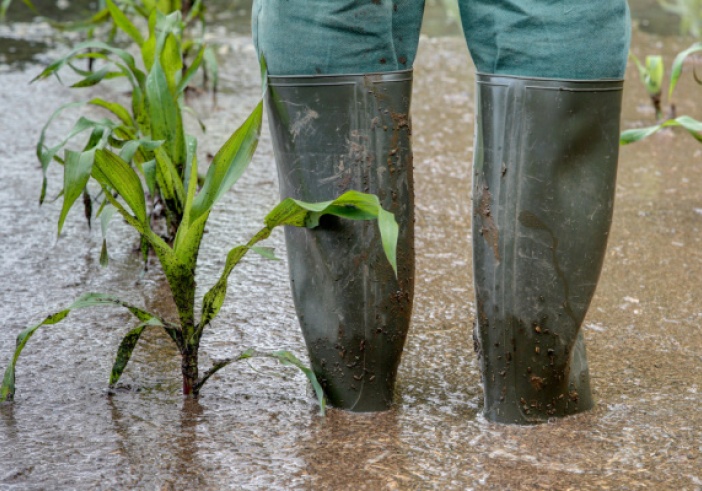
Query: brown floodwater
{"x": 256, "y": 425}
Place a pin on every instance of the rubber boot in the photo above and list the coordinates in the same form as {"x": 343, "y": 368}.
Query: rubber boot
{"x": 544, "y": 176}
{"x": 332, "y": 134}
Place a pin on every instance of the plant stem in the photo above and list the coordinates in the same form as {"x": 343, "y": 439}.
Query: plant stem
{"x": 189, "y": 369}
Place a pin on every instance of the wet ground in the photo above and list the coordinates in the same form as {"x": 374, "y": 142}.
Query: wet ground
{"x": 256, "y": 426}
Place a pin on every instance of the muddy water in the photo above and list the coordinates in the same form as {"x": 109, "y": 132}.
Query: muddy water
{"x": 256, "y": 426}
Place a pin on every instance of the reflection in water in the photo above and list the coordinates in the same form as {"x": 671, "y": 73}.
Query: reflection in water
{"x": 172, "y": 460}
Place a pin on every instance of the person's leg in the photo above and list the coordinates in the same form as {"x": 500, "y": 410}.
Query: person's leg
{"x": 298, "y": 37}
{"x": 564, "y": 39}
{"x": 339, "y": 91}
{"x": 548, "y": 101}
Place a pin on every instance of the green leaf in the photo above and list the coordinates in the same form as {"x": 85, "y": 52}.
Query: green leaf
{"x": 126, "y": 348}
{"x": 76, "y": 173}
{"x": 692, "y": 126}
{"x": 287, "y": 358}
{"x": 123, "y": 22}
{"x": 165, "y": 115}
{"x": 653, "y": 78}
{"x": 172, "y": 61}
{"x": 352, "y": 205}
{"x": 115, "y": 108}
{"x": 267, "y": 252}
{"x": 44, "y": 155}
{"x": 677, "y": 68}
{"x": 229, "y": 164}
{"x": 168, "y": 180}
{"x": 7, "y": 390}
{"x": 88, "y": 24}
{"x": 130, "y": 148}
{"x": 150, "y": 175}
{"x": 214, "y": 298}
{"x": 637, "y": 134}
{"x": 284, "y": 357}
{"x": 185, "y": 230}
{"x": 113, "y": 172}
{"x": 97, "y": 77}
{"x": 136, "y": 76}
{"x": 105, "y": 216}
{"x": 192, "y": 69}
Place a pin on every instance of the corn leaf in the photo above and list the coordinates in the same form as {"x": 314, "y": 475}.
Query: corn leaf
{"x": 136, "y": 76}
{"x": 214, "y": 298}
{"x": 97, "y": 77}
{"x": 229, "y": 164}
{"x": 284, "y": 357}
{"x": 678, "y": 65}
{"x": 192, "y": 69}
{"x": 288, "y": 359}
{"x": 692, "y": 126}
{"x": 172, "y": 62}
{"x": 105, "y": 216}
{"x": 114, "y": 173}
{"x": 7, "y": 390}
{"x": 165, "y": 116}
{"x": 123, "y": 22}
{"x": 76, "y": 173}
{"x": 115, "y": 108}
{"x": 126, "y": 348}
{"x": 352, "y": 205}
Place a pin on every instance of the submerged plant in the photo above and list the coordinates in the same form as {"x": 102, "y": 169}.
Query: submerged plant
{"x": 693, "y": 126}
{"x": 146, "y": 149}
{"x": 123, "y": 190}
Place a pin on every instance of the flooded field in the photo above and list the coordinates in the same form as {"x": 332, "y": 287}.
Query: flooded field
{"x": 256, "y": 426}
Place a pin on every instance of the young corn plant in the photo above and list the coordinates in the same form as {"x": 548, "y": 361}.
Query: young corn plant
{"x": 691, "y": 125}
{"x": 143, "y": 150}
{"x": 148, "y": 134}
{"x": 123, "y": 189}
{"x": 651, "y": 75}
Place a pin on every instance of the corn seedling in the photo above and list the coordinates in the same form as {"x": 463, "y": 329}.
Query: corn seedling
{"x": 693, "y": 126}
{"x": 149, "y": 133}
{"x": 146, "y": 149}
{"x": 651, "y": 75}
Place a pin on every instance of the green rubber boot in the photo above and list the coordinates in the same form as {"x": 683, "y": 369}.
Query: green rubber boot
{"x": 332, "y": 134}
{"x": 544, "y": 176}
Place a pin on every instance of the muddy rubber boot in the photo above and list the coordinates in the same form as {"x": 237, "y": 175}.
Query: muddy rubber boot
{"x": 544, "y": 176}
{"x": 331, "y": 134}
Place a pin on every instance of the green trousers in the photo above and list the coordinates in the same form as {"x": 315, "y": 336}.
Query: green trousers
{"x": 571, "y": 39}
